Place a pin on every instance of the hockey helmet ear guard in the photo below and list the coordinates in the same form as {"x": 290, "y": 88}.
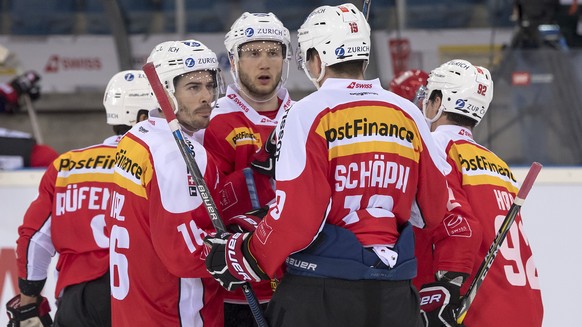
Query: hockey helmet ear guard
{"x": 467, "y": 89}
{"x": 126, "y": 94}
{"x": 338, "y": 33}
{"x": 181, "y": 57}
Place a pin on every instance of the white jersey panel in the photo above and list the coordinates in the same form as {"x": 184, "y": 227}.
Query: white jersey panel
{"x": 191, "y": 302}
{"x": 170, "y": 167}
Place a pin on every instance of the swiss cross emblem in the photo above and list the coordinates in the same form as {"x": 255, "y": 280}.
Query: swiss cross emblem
{"x": 191, "y": 185}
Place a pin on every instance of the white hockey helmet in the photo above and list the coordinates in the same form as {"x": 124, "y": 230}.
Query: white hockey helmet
{"x": 467, "y": 89}
{"x": 338, "y": 33}
{"x": 182, "y": 57}
{"x": 126, "y": 94}
{"x": 257, "y": 27}
{"x": 158, "y": 49}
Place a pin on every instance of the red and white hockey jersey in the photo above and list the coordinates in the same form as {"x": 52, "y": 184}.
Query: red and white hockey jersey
{"x": 235, "y": 133}
{"x": 354, "y": 155}
{"x": 68, "y": 217}
{"x": 490, "y": 187}
{"x": 157, "y": 224}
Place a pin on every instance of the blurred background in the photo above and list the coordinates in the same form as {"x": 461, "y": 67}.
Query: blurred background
{"x": 530, "y": 46}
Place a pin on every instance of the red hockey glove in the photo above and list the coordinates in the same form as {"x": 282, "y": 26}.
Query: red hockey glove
{"x": 30, "y": 315}
{"x": 230, "y": 262}
{"x": 440, "y": 299}
{"x": 247, "y": 222}
{"x": 264, "y": 160}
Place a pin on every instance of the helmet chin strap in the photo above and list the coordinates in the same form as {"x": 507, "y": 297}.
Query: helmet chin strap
{"x": 174, "y": 100}
{"x": 430, "y": 121}
{"x": 315, "y": 81}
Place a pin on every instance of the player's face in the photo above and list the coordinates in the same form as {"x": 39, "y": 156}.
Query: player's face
{"x": 195, "y": 92}
{"x": 260, "y": 67}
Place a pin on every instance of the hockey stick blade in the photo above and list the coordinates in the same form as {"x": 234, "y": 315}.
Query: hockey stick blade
{"x": 188, "y": 155}
{"x": 526, "y": 186}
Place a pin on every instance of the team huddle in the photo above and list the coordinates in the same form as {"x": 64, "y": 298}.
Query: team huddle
{"x": 354, "y": 206}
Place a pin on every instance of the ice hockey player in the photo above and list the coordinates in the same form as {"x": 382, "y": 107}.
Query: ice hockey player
{"x": 352, "y": 158}
{"x": 68, "y": 218}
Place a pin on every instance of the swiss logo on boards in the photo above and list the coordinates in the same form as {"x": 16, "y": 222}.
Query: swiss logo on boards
{"x": 520, "y": 78}
{"x": 57, "y": 63}
{"x": 52, "y": 65}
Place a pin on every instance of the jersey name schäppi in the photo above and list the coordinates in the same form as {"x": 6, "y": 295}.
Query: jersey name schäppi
{"x": 372, "y": 173}
{"x": 374, "y": 146}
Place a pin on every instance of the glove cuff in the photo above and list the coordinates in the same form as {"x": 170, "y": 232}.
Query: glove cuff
{"x": 31, "y": 287}
{"x": 250, "y": 258}
{"x": 451, "y": 277}
{"x": 18, "y": 313}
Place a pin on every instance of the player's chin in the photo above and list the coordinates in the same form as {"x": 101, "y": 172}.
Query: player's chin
{"x": 204, "y": 112}
{"x": 266, "y": 89}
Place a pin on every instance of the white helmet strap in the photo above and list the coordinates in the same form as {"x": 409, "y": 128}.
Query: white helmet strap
{"x": 438, "y": 115}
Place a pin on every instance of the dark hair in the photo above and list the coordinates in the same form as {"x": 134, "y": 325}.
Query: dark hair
{"x": 457, "y": 119}
{"x": 121, "y": 129}
{"x": 351, "y": 68}
{"x": 309, "y": 54}
{"x": 460, "y": 120}
{"x": 434, "y": 94}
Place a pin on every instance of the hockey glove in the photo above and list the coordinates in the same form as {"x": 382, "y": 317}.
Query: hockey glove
{"x": 440, "y": 299}
{"x": 30, "y": 315}
{"x": 247, "y": 222}
{"x": 230, "y": 262}
{"x": 264, "y": 160}
{"x": 26, "y": 82}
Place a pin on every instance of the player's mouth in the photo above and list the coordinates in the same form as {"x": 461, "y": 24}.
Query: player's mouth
{"x": 264, "y": 79}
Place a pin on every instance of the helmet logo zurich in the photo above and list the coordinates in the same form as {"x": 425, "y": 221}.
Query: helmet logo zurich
{"x": 340, "y": 52}
{"x": 128, "y": 77}
{"x": 190, "y": 62}
{"x": 249, "y": 32}
{"x": 460, "y": 104}
{"x": 192, "y": 44}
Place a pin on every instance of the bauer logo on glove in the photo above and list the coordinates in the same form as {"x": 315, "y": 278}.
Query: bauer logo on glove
{"x": 437, "y": 304}
{"x": 30, "y": 315}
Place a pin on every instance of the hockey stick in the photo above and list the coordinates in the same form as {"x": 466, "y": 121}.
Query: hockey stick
{"x": 188, "y": 155}
{"x": 366, "y": 8}
{"x": 33, "y": 119}
{"x": 467, "y": 300}
{"x": 4, "y": 55}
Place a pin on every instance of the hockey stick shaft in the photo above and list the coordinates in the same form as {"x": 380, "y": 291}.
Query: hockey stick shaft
{"x": 33, "y": 119}
{"x": 467, "y": 300}
{"x": 188, "y": 155}
{"x": 366, "y": 8}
